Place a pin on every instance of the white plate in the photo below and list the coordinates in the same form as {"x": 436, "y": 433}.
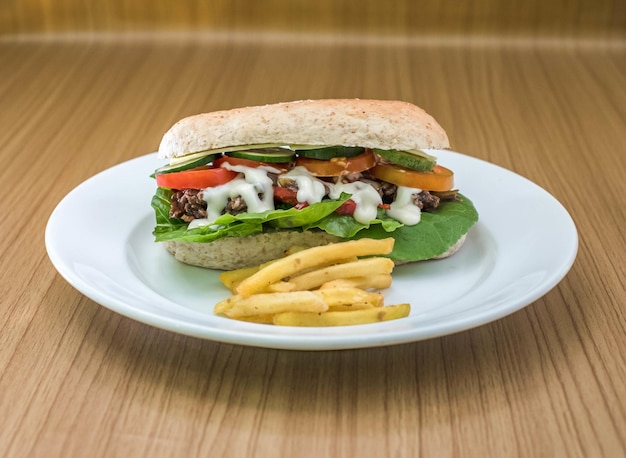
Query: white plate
{"x": 100, "y": 240}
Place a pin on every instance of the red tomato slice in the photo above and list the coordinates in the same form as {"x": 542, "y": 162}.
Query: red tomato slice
{"x": 285, "y": 195}
{"x": 338, "y": 165}
{"x": 283, "y": 167}
{"x": 347, "y": 208}
{"x": 440, "y": 179}
{"x": 198, "y": 178}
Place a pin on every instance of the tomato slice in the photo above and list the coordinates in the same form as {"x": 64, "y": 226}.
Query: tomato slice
{"x": 283, "y": 167}
{"x": 338, "y": 166}
{"x": 285, "y": 195}
{"x": 198, "y": 178}
{"x": 440, "y": 179}
{"x": 347, "y": 208}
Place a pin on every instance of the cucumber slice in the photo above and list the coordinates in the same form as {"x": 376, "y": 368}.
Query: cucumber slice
{"x": 329, "y": 152}
{"x": 408, "y": 160}
{"x": 186, "y": 165}
{"x": 273, "y": 155}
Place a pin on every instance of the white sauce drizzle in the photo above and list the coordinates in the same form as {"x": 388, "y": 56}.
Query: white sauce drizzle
{"x": 310, "y": 189}
{"x": 254, "y": 182}
{"x": 255, "y": 187}
{"x": 403, "y": 209}
{"x": 364, "y": 196}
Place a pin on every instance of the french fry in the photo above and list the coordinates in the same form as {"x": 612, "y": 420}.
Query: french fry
{"x": 270, "y": 303}
{"x": 296, "y": 262}
{"x": 294, "y": 249}
{"x": 226, "y": 304}
{"x": 231, "y": 279}
{"x": 330, "y": 263}
{"x": 349, "y": 307}
{"x": 281, "y": 287}
{"x": 374, "y": 315}
{"x": 379, "y": 281}
{"x": 350, "y": 296}
{"x": 258, "y": 319}
{"x": 321, "y": 286}
{"x": 362, "y": 267}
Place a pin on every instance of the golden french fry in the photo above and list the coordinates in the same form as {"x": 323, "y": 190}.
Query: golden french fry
{"x": 283, "y": 291}
{"x": 281, "y": 287}
{"x": 349, "y": 307}
{"x": 350, "y": 296}
{"x": 224, "y": 305}
{"x": 390, "y": 312}
{"x": 362, "y": 267}
{"x": 330, "y": 263}
{"x": 378, "y": 281}
{"x": 269, "y": 303}
{"x": 232, "y": 278}
{"x": 258, "y": 319}
{"x": 294, "y": 249}
{"x": 296, "y": 262}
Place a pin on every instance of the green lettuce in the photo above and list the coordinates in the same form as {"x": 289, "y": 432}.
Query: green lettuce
{"x": 433, "y": 235}
{"x": 241, "y": 225}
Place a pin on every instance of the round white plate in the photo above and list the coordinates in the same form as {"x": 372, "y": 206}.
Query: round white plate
{"x": 100, "y": 240}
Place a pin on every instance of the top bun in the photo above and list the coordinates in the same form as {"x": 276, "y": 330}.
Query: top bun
{"x": 384, "y": 124}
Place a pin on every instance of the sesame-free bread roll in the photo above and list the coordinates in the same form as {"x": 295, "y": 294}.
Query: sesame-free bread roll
{"x": 383, "y": 124}
{"x": 231, "y": 253}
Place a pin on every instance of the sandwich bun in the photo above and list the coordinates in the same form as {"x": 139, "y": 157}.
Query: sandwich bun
{"x": 375, "y": 124}
{"x": 383, "y": 124}
{"x": 232, "y": 253}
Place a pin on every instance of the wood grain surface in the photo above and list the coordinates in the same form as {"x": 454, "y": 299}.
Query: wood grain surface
{"x": 574, "y": 18}
{"x": 79, "y": 380}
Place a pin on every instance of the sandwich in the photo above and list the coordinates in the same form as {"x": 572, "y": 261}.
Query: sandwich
{"x": 242, "y": 186}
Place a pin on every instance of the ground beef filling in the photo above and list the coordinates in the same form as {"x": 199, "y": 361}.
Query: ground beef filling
{"x": 188, "y": 204}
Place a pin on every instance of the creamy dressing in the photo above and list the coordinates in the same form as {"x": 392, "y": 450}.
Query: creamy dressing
{"x": 364, "y": 196}
{"x": 256, "y": 188}
{"x": 217, "y": 199}
{"x": 310, "y": 189}
{"x": 403, "y": 209}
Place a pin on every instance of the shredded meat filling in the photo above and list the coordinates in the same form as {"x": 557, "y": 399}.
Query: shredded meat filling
{"x": 426, "y": 201}
{"x": 236, "y": 205}
{"x": 188, "y": 205}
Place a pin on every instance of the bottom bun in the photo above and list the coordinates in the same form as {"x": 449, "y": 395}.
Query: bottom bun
{"x": 453, "y": 249}
{"x": 232, "y": 253}
{"x": 237, "y": 252}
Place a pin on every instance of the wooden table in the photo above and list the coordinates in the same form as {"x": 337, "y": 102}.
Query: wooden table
{"x": 79, "y": 380}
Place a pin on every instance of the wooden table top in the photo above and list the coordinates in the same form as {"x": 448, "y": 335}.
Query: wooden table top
{"x": 77, "y": 379}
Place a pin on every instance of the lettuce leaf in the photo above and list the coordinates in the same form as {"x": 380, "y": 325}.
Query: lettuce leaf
{"x": 433, "y": 235}
{"x": 241, "y": 225}
{"x": 347, "y": 227}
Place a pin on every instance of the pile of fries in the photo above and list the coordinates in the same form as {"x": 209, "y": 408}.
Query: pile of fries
{"x": 330, "y": 285}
